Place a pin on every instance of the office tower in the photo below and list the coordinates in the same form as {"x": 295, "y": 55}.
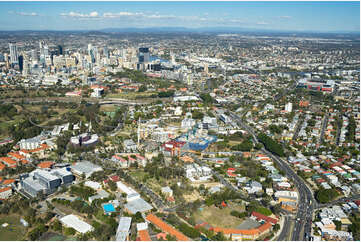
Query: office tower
{"x": 60, "y": 49}
{"x": 41, "y": 47}
{"x": 13, "y": 53}
{"x": 144, "y": 55}
{"x": 95, "y": 54}
{"x": 34, "y": 55}
{"x": 26, "y": 67}
{"x": 6, "y": 57}
{"x": 21, "y": 62}
{"x": 106, "y": 52}
{"x": 46, "y": 50}
{"x": 90, "y": 47}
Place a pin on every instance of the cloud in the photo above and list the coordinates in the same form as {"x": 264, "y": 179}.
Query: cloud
{"x": 285, "y": 17}
{"x": 80, "y": 15}
{"x": 262, "y": 23}
{"x": 121, "y": 14}
{"x": 24, "y": 13}
{"x": 136, "y": 14}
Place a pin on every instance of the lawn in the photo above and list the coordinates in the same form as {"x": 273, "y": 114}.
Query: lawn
{"x": 138, "y": 175}
{"x": 14, "y": 231}
{"x": 219, "y": 217}
{"x": 131, "y": 95}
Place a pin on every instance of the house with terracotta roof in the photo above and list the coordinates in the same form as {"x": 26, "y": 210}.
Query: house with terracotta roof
{"x": 40, "y": 151}
{"x": 5, "y": 193}
{"x": 8, "y": 182}
{"x": 46, "y": 164}
{"x": 8, "y": 162}
{"x": 261, "y": 217}
{"x": 120, "y": 160}
{"x": 24, "y": 162}
{"x": 2, "y": 167}
{"x": 143, "y": 234}
{"x": 16, "y": 156}
{"x": 244, "y": 234}
{"x": 166, "y": 228}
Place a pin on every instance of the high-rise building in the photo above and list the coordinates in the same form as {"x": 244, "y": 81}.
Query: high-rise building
{"x": 21, "y": 62}
{"x": 34, "y": 55}
{"x": 13, "y": 53}
{"x": 60, "y": 49}
{"x": 41, "y": 47}
{"x": 106, "y": 52}
{"x": 6, "y": 57}
{"x": 144, "y": 55}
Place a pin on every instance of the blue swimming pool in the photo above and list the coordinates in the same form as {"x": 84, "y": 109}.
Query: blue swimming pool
{"x": 108, "y": 208}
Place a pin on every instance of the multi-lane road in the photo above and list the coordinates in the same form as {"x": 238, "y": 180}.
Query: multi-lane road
{"x": 324, "y": 125}
{"x": 306, "y": 200}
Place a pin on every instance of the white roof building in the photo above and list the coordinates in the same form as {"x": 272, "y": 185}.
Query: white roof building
{"x": 94, "y": 185}
{"x": 74, "y": 222}
{"x": 123, "y": 229}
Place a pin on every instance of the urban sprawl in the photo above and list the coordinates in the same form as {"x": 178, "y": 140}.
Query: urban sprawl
{"x": 179, "y": 136}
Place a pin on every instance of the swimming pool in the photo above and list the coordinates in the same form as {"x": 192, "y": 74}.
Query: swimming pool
{"x": 108, "y": 208}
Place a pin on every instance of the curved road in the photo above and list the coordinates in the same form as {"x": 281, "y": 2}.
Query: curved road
{"x": 306, "y": 201}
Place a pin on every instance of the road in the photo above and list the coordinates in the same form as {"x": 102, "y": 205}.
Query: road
{"x": 338, "y": 130}
{"x": 285, "y": 229}
{"x": 324, "y": 125}
{"x": 305, "y": 210}
{"x": 298, "y": 127}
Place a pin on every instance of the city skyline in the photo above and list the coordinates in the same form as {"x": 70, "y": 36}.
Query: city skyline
{"x": 283, "y": 16}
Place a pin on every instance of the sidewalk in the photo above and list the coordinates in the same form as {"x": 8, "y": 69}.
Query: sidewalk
{"x": 282, "y": 220}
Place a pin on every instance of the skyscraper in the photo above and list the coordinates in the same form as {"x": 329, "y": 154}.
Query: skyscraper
{"x": 60, "y": 49}
{"x": 106, "y": 52}
{"x": 13, "y": 53}
{"x": 144, "y": 55}
{"x": 34, "y": 55}
{"x": 21, "y": 62}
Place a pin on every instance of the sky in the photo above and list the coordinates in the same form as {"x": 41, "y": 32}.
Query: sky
{"x": 287, "y": 16}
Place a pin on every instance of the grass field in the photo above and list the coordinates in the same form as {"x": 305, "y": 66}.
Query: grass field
{"x": 131, "y": 95}
{"x": 14, "y": 231}
{"x": 219, "y": 217}
{"x": 138, "y": 175}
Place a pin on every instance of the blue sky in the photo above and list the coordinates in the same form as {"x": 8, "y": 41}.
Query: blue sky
{"x": 298, "y": 16}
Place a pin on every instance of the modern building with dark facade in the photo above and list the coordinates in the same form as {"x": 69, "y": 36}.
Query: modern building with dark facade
{"x": 45, "y": 181}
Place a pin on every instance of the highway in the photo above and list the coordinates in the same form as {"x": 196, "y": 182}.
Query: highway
{"x": 324, "y": 125}
{"x": 298, "y": 127}
{"x": 305, "y": 207}
{"x": 286, "y": 229}
{"x": 338, "y": 131}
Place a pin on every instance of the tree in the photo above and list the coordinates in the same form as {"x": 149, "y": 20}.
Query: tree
{"x": 57, "y": 226}
{"x": 142, "y": 88}
{"x": 207, "y": 99}
{"x": 271, "y": 145}
{"x": 219, "y": 237}
{"x": 326, "y": 195}
{"x": 277, "y": 227}
{"x": 171, "y": 238}
{"x": 112, "y": 185}
{"x": 69, "y": 231}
